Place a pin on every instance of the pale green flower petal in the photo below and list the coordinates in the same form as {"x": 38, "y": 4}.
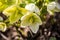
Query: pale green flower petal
{"x": 34, "y": 27}
{"x": 1, "y": 19}
{"x": 8, "y": 11}
{"x": 15, "y": 13}
{"x": 5, "y": 3}
{"x": 3, "y": 7}
{"x": 2, "y": 26}
{"x": 32, "y": 8}
{"x": 24, "y": 20}
{"x": 12, "y": 9}
{"x": 50, "y": 12}
{"x": 15, "y": 17}
{"x": 23, "y": 10}
{"x": 37, "y": 10}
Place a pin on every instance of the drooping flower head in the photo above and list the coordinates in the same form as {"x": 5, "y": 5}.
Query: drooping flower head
{"x": 31, "y": 20}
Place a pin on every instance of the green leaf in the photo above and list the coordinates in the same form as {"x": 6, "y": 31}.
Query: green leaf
{"x": 39, "y": 3}
{"x": 22, "y": 5}
{"x": 43, "y": 13}
{"x": 31, "y": 1}
{"x": 52, "y": 38}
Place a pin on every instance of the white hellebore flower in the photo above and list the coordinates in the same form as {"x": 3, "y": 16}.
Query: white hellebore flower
{"x": 51, "y": 6}
{"x": 2, "y": 26}
{"x": 32, "y": 8}
{"x": 32, "y": 21}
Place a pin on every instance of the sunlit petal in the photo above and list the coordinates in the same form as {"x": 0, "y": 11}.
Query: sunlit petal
{"x": 32, "y": 8}
{"x": 2, "y": 26}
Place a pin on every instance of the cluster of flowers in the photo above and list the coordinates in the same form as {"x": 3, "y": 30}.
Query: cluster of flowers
{"x": 29, "y": 15}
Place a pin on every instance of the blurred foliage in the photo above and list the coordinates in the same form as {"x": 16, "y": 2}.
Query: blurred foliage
{"x": 52, "y": 38}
